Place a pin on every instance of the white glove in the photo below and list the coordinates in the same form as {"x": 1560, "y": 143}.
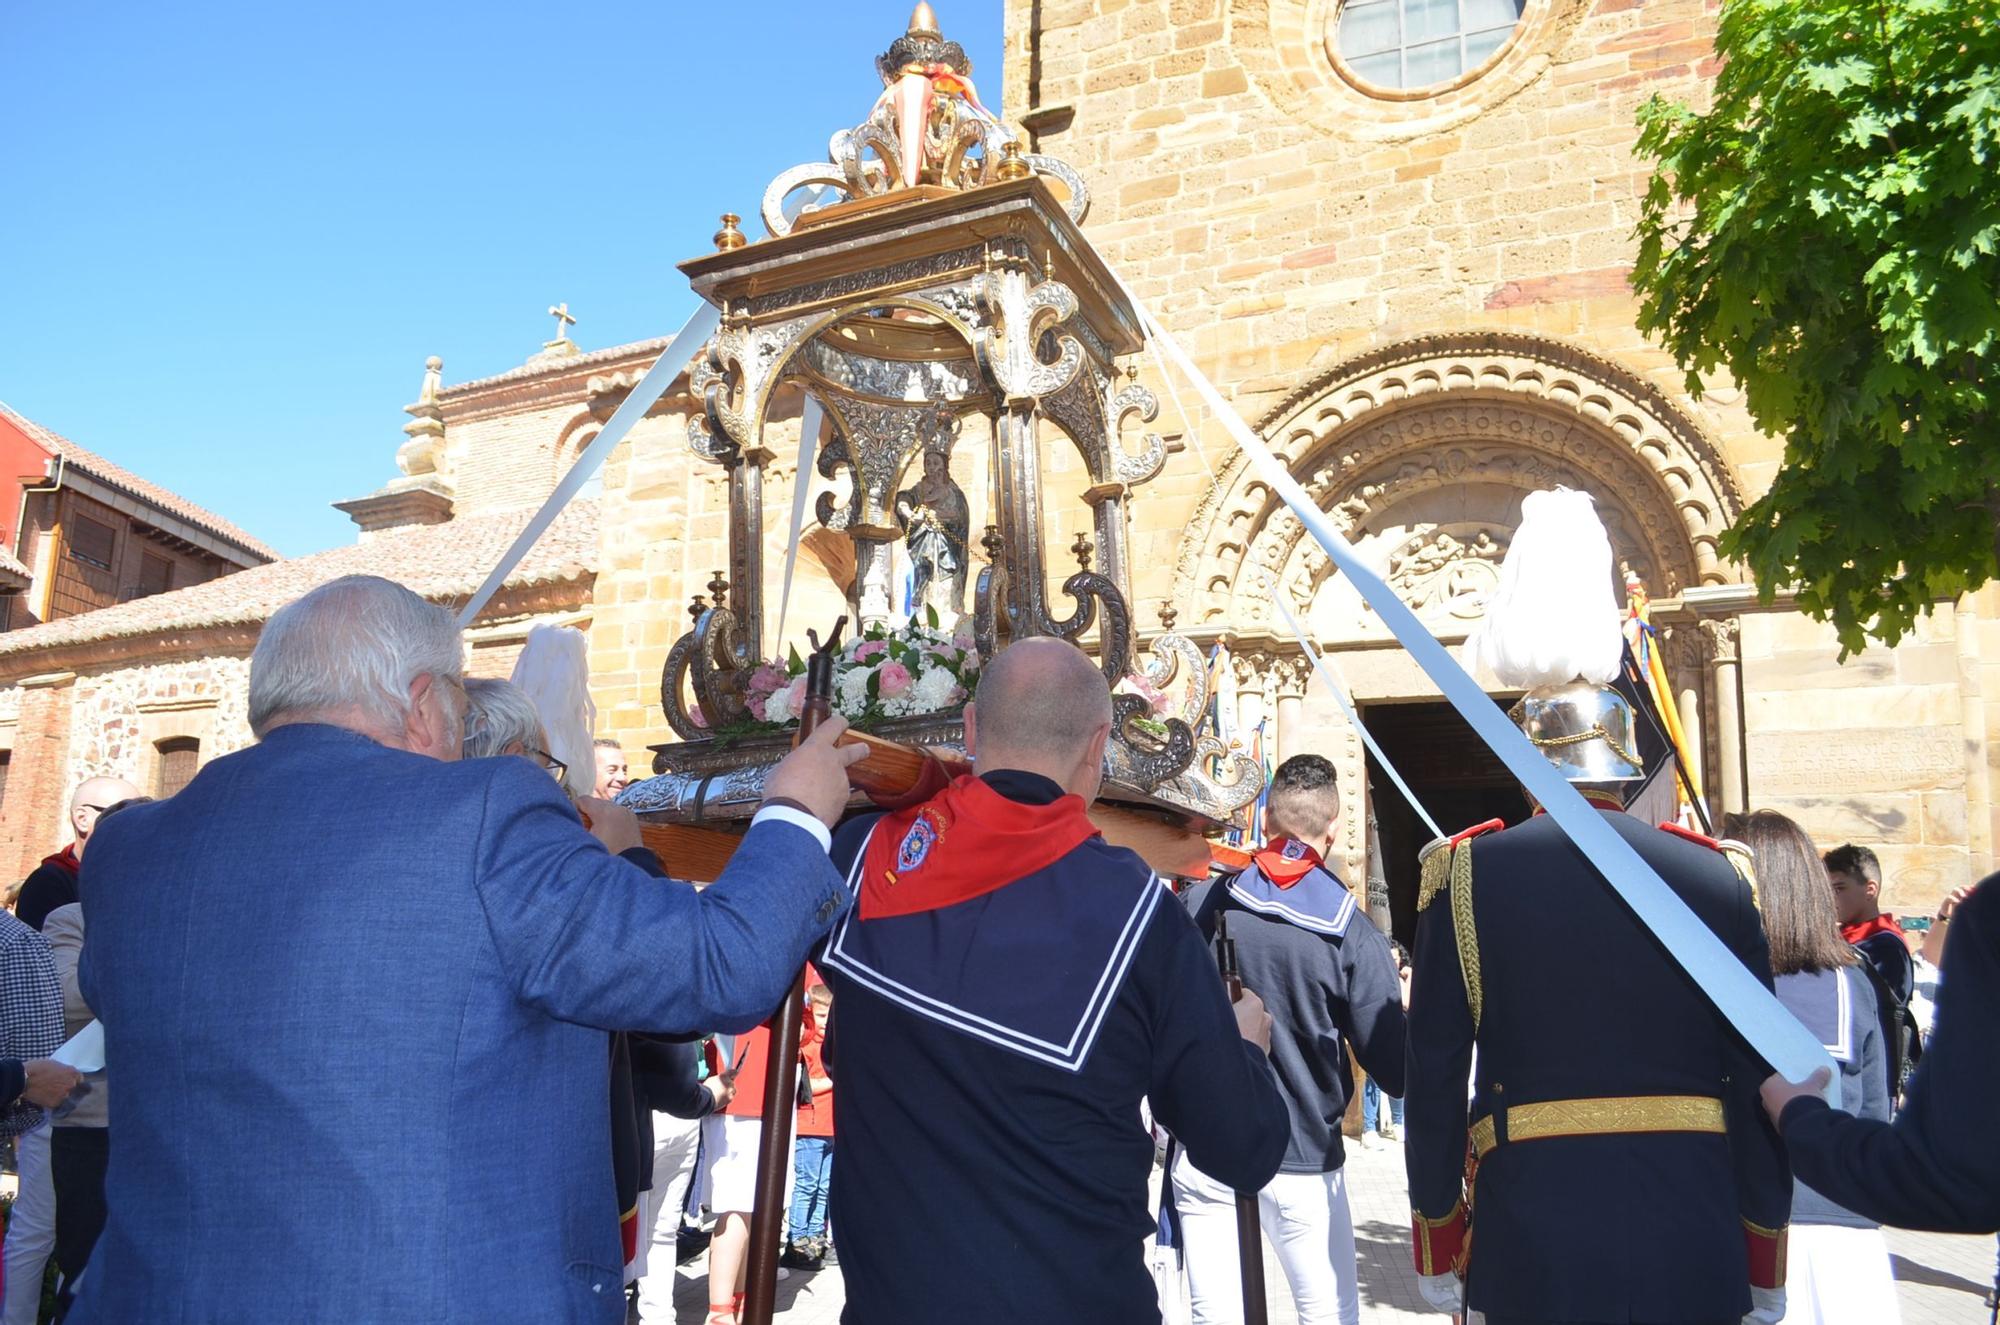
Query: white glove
{"x": 1767, "y": 1306}
{"x": 1443, "y": 1291}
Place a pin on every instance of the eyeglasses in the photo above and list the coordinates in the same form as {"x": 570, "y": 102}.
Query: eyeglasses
{"x": 547, "y": 761}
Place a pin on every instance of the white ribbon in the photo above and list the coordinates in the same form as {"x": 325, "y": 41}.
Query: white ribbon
{"x": 1325, "y": 674}
{"x": 809, "y": 424}
{"x": 673, "y": 360}
{"x": 680, "y": 352}
{"x": 1745, "y": 1003}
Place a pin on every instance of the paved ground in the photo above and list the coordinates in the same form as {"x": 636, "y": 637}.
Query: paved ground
{"x": 1941, "y": 1278}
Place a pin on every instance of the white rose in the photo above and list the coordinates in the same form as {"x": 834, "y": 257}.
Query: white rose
{"x": 779, "y": 707}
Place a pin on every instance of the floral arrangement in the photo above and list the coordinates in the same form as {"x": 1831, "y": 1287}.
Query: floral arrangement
{"x": 893, "y": 672}
{"x": 885, "y": 672}
{"x": 1159, "y": 704}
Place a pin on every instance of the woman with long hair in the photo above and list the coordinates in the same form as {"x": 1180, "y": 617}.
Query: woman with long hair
{"x": 1838, "y": 1260}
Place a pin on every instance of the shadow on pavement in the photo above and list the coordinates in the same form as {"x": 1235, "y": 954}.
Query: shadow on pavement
{"x": 1910, "y": 1272}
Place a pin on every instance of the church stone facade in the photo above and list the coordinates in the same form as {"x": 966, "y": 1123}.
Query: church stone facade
{"x": 1416, "y": 293}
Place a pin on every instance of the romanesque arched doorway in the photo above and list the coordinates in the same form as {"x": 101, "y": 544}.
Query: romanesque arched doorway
{"x": 1422, "y": 451}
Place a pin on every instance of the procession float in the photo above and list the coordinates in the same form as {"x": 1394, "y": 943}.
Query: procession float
{"x": 926, "y": 290}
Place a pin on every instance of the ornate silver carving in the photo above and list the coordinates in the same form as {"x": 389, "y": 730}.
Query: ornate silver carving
{"x": 1077, "y": 204}
{"x": 990, "y": 611}
{"x": 959, "y": 149}
{"x": 1147, "y": 464}
{"x": 718, "y": 667}
{"x": 899, "y": 320}
{"x": 1009, "y": 348}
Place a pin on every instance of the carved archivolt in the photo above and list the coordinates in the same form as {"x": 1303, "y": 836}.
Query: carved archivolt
{"x": 1516, "y": 411}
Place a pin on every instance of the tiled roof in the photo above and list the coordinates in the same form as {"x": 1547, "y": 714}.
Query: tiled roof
{"x": 568, "y": 363}
{"x": 123, "y": 479}
{"x": 11, "y": 568}
{"x": 445, "y": 562}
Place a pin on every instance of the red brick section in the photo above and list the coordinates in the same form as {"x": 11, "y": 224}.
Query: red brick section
{"x": 1562, "y": 288}
{"x": 1318, "y": 256}
{"x": 31, "y": 818}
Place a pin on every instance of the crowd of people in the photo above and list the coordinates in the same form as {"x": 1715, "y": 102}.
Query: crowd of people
{"x": 405, "y": 1031}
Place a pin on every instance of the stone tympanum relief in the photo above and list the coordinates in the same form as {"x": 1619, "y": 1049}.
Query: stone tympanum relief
{"x": 1435, "y": 433}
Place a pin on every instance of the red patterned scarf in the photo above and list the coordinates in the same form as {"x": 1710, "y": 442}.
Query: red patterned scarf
{"x": 964, "y": 842}
{"x": 1285, "y": 860}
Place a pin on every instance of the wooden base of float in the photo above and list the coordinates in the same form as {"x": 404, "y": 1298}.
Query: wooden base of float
{"x": 699, "y": 851}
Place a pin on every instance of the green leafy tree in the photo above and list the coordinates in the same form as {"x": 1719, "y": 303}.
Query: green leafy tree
{"x": 1829, "y": 233}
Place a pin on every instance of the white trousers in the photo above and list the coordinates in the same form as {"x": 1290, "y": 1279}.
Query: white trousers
{"x": 1839, "y": 1276}
{"x": 31, "y": 1229}
{"x": 1306, "y": 1218}
{"x": 660, "y": 1221}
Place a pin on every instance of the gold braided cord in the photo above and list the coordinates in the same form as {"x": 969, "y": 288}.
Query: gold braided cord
{"x": 1595, "y": 733}
{"x": 1434, "y": 873}
{"x": 1467, "y": 931}
{"x": 1602, "y": 1117}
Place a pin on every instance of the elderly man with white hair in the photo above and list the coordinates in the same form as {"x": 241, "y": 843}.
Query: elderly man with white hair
{"x": 358, "y": 992}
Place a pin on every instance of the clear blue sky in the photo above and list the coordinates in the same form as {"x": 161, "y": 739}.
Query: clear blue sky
{"x": 232, "y": 232}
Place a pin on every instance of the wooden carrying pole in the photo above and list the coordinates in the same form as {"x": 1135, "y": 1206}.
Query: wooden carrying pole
{"x": 781, "y": 1069}
{"x": 1249, "y": 1226}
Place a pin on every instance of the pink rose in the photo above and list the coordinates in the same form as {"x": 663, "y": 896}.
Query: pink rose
{"x": 767, "y": 679}
{"x": 698, "y": 716}
{"x": 867, "y": 649}
{"x": 894, "y": 679}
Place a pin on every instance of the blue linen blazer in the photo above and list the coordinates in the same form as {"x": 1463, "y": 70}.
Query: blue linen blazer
{"x": 358, "y": 1000}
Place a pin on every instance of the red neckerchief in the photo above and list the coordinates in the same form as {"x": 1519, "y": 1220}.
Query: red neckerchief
{"x": 964, "y": 842}
{"x": 1861, "y": 929}
{"x": 1285, "y": 860}
{"x": 65, "y": 859}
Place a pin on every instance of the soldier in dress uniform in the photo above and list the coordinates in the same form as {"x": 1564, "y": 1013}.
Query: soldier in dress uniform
{"x": 1613, "y": 1163}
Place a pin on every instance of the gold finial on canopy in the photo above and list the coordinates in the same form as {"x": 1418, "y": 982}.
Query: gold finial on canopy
{"x": 923, "y": 21}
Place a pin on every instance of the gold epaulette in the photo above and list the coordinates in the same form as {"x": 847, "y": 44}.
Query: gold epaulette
{"x": 1434, "y": 862}
{"x": 1738, "y": 855}
{"x": 1434, "y": 872}
{"x": 1447, "y": 863}
{"x": 1744, "y": 862}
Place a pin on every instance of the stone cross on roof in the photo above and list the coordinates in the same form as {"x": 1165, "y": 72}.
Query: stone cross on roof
{"x": 560, "y": 312}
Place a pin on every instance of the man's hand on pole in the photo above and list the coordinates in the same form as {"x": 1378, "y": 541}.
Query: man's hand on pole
{"x": 814, "y": 775}
{"x": 1252, "y": 1021}
{"x": 611, "y": 824}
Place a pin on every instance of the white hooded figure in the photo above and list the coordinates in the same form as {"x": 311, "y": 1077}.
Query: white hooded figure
{"x": 554, "y": 672}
